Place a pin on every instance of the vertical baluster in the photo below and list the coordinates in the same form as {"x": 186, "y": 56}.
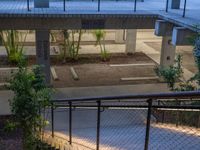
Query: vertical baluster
{"x": 52, "y": 121}
{"x": 184, "y": 9}
{"x": 98, "y": 124}
{"x": 167, "y": 5}
{"x": 98, "y": 5}
{"x": 28, "y": 5}
{"x": 148, "y": 124}
{"x": 64, "y": 5}
{"x": 135, "y": 5}
{"x": 70, "y": 122}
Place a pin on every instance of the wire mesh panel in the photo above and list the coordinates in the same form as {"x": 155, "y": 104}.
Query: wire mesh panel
{"x": 123, "y": 128}
{"x": 175, "y": 128}
{"x": 84, "y": 124}
{"x": 60, "y": 123}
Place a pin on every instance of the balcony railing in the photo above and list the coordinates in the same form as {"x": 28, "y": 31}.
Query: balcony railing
{"x": 100, "y": 5}
{"x": 146, "y": 121}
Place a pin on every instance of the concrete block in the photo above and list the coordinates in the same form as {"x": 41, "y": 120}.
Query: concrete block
{"x": 74, "y": 74}
{"x": 163, "y": 28}
{"x": 181, "y": 35}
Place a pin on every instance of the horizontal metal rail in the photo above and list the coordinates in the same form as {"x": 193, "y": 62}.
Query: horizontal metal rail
{"x": 153, "y": 96}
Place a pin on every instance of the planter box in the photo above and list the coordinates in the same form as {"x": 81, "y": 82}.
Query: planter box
{"x": 41, "y": 3}
{"x": 175, "y": 4}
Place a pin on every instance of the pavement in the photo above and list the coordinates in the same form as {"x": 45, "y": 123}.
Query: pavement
{"x": 77, "y": 92}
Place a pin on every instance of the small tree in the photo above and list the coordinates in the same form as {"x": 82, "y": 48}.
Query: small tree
{"x": 172, "y": 73}
{"x": 31, "y": 94}
{"x": 13, "y": 41}
{"x": 100, "y": 40}
{"x": 70, "y": 44}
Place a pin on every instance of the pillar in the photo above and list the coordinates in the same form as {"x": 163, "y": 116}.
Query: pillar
{"x": 119, "y": 36}
{"x": 41, "y": 3}
{"x": 167, "y": 54}
{"x": 43, "y": 52}
{"x": 131, "y": 36}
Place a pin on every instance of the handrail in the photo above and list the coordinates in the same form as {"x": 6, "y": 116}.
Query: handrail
{"x": 167, "y": 95}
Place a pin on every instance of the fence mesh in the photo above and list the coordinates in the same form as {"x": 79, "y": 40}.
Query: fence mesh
{"x": 123, "y": 124}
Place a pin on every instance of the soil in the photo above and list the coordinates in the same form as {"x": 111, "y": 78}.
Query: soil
{"x": 11, "y": 140}
{"x": 94, "y": 72}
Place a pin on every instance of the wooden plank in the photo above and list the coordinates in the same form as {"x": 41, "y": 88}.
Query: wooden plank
{"x": 54, "y": 75}
{"x": 139, "y": 78}
{"x": 74, "y": 74}
{"x": 127, "y": 65}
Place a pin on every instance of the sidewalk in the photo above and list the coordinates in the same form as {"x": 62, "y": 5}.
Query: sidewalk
{"x": 76, "y": 92}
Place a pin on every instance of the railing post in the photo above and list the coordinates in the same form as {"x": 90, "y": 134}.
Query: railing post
{"x": 135, "y": 5}
{"x": 52, "y": 121}
{"x": 70, "y": 122}
{"x": 98, "y": 124}
{"x": 64, "y": 3}
{"x": 28, "y": 5}
{"x": 167, "y": 5}
{"x": 98, "y": 5}
{"x": 184, "y": 9}
{"x": 148, "y": 124}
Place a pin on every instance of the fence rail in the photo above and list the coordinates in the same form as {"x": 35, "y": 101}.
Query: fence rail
{"x": 144, "y": 121}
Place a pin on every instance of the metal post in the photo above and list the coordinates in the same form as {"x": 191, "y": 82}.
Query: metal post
{"x": 148, "y": 124}
{"x": 52, "y": 121}
{"x": 98, "y": 5}
{"x": 64, "y": 3}
{"x": 185, "y": 2}
{"x": 70, "y": 122}
{"x": 28, "y": 5}
{"x": 98, "y": 123}
{"x": 167, "y": 5}
{"x": 135, "y": 5}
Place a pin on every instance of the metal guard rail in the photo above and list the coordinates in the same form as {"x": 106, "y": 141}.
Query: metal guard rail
{"x": 71, "y": 103}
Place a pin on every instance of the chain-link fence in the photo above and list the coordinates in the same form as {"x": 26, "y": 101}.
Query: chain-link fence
{"x": 128, "y": 124}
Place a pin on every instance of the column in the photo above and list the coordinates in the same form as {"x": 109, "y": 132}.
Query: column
{"x": 167, "y": 54}
{"x": 131, "y": 36}
{"x": 119, "y": 36}
{"x": 43, "y": 52}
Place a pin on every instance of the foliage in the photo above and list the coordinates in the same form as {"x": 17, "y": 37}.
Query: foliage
{"x": 31, "y": 95}
{"x": 9, "y": 126}
{"x": 196, "y": 53}
{"x": 172, "y": 73}
{"x": 71, "y": 44}
{"x": 100, "y": 40}
{"x": 13, "y": 41}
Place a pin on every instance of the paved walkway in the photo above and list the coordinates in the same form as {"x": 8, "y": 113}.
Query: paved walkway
{"x": 76, "y": 92}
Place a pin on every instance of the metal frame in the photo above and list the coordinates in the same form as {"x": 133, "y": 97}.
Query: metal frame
{"x": 153, "y": 102}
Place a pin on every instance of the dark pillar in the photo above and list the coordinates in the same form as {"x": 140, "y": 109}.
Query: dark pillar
{"x": 43, "y": 52}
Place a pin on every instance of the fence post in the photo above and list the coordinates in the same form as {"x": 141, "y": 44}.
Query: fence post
{"x": 64, "y": 3}
{"x": 98, "y": 124}
{"x": 135, "y": 5}
{"x": 184, "y": 9}
{"x": 167, "y": 5}
{"x": 52, "y": 121}
{"x": 148, "y": 124}
{"x": 70, "y": 122}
